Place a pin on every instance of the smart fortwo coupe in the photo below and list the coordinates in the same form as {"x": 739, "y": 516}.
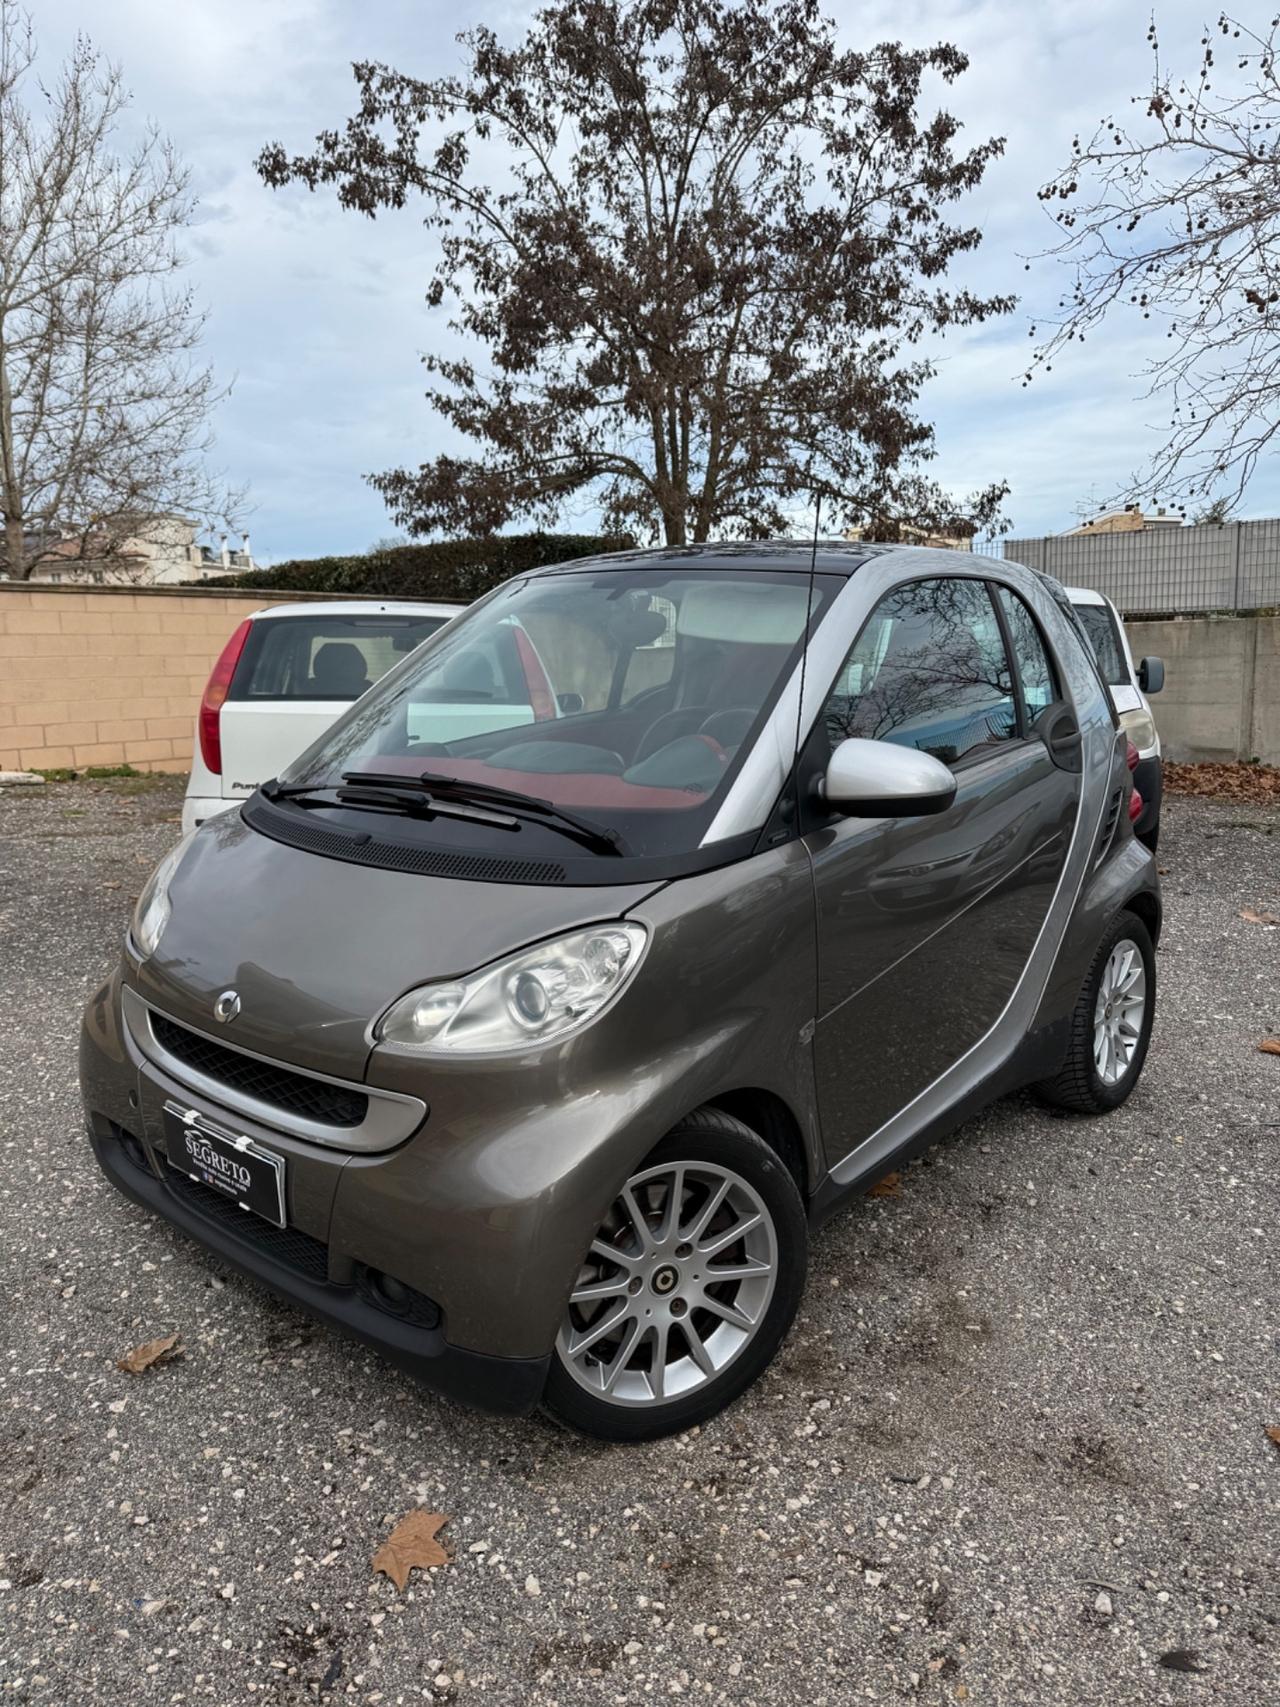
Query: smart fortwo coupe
{"x": 530, "y": 1052}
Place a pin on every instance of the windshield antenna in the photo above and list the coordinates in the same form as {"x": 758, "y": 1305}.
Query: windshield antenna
{"x": 808, "y": 620}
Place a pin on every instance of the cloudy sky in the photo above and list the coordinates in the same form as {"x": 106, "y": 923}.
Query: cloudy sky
{"x": 317, "y": 316}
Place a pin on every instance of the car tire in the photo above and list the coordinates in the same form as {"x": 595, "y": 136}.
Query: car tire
{"x": 654, "y": 1295}
{"x": 1150, "y": 838}
{"x": 1094, "y": 1079}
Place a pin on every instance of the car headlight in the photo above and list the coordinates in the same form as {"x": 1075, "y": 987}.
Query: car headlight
{"x": 1140, "y": 727}
{"x": 151, "y": 914}
{"x": 541, "y": 994}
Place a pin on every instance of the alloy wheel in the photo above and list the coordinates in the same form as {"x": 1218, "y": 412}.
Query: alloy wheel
{"x": 1119, "y": 1011}
{"x": 676, "y": 1283}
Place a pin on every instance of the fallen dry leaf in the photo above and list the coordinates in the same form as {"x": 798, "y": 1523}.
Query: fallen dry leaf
{"x": 888, "y": 1185}
{"x": 1252, "y": 917}
{"x": 412, "y": 1542}
{"x": 1236, "y": 781}
{"x": 1273, "y": 1434}
{"x": 149, "y": 1353}
{"x": 1180, "y": 1659}
{"x": 1270, "y": 1046}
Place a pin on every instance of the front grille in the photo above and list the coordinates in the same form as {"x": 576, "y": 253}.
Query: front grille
{"x": 295, "y": 1093}
{"x": 286, "y": 1245}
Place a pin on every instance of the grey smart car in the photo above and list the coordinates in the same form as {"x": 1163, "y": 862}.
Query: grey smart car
{"x": 529, "y": 1021}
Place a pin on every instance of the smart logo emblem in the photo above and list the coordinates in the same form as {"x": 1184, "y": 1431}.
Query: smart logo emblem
{"x": 226, "y": 1007}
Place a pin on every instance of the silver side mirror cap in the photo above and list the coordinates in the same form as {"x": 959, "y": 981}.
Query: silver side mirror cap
{"x": 876, "y": 779}
{"x": 1151, "y": 675}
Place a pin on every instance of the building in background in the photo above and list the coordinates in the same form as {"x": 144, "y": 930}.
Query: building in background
{"x": 1130, "y": 519}
{"x": 1163, "y": 568}
{"x": 168, "y": 554}
{"x": 917, "y": 536}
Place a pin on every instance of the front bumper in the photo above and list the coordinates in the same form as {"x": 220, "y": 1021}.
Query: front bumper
{"x": 314, "y": 1263}
{"x": 1148, "y": 779}
{"x": 502, "y": 1384}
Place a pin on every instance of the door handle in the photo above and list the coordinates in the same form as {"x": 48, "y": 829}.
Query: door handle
{"x": 1060, "y": 732}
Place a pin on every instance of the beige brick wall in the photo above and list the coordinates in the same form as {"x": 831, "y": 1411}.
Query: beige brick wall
{"x": 107, "y": 675}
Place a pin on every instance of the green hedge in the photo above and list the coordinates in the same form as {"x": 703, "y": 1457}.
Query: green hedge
{"x": 446, "y": 569}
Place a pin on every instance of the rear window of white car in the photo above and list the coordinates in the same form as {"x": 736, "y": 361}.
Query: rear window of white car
{"x": 1100, "y": 625}
{"x": 323, "y": 656}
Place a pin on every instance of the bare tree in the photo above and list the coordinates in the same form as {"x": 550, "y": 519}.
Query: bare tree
{"x": 103, "y": 408}
{"x": 696, "y": 248}
{"x": 1175, "y": 217}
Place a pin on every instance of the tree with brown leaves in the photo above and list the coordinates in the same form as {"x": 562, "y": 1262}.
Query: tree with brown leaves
{"x": 1174, "y": 217}
{"x": 693, "y": 249}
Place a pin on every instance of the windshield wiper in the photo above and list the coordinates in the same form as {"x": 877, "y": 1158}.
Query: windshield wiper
{"x": 410, "y": 800}
{"x": 440, "y": 790}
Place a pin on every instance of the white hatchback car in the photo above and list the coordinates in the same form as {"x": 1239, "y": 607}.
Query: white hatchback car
{"x": 283, "y": 677}
{"x": 1130, "y": 687}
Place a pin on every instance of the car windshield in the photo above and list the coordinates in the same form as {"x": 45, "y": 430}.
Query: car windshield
{"x": 1099, "y": 624}
{"x": 628, "y": 698}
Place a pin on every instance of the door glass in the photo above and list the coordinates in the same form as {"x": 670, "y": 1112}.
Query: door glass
{"x": 928, "y": 671}
{"x": 1039, "y": 687}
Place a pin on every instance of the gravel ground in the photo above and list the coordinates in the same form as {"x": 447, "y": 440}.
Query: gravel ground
{"x": 1013, "y": 1452}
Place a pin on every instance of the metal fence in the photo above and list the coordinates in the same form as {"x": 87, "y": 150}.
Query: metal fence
{"x": 1234, "y": 566}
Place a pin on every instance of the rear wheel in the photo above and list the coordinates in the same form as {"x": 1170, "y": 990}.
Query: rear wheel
{"x": 688, "y": 1288}
{"x": 1111, "y": 1026}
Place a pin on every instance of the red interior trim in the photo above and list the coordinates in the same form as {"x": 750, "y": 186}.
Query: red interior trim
{"x": 565, "y": 788}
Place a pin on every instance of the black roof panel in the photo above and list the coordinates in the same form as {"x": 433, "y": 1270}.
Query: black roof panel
{"x": 834, "y": 556}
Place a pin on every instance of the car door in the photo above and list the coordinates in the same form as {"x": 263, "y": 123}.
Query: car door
{"x": 926, "y": 924}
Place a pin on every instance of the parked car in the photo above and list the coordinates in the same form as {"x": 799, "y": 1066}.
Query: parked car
{"x": 531, "y": 1054}
{"x": 282, "y": 678}
{"x": 1130, "y": 689}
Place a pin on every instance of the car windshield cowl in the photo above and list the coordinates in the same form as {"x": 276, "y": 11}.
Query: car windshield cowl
{"x": 433, "y": 791}
{"x": 614, "y": 707}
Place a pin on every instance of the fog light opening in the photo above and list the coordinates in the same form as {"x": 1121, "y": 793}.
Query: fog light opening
{"x": 391, "y": 1293}
{"x": 133, "y": 1149}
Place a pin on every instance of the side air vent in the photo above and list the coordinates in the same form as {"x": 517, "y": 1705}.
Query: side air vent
{"x": 1110, "y": 818}
{"x": 283, "y": 826}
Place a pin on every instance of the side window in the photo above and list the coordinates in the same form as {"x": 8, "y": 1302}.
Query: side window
{"x": 1039, "y": 684}
{"x": 929, "y": 671}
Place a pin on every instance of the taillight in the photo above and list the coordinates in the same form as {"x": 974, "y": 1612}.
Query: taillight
{"x": 1135, "y": 799}
{"x": 535, "y": 679}
{"x": 215, "y": 692}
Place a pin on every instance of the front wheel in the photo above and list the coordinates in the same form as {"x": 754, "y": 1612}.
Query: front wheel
{"x": 1111, "y": 1025}
{"x": 688, "y": 1288}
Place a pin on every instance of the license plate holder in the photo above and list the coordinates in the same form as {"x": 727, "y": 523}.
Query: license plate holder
{"x": 227, "y": 1162}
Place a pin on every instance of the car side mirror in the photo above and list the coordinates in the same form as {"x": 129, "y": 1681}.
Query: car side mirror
{"x": 1151, "y": 675}
{"x": 876, "y": 779}
{"x": 570, "y": 702}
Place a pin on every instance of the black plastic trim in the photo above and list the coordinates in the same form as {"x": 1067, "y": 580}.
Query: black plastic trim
{"x": 297, "y": 827}
{"x": 1148, "y": 779}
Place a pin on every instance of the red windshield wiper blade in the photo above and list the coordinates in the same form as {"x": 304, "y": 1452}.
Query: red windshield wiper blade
{"x": 435, "y": 786}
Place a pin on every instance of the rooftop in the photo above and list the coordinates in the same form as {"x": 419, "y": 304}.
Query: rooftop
{"x": 833, "y": 556}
